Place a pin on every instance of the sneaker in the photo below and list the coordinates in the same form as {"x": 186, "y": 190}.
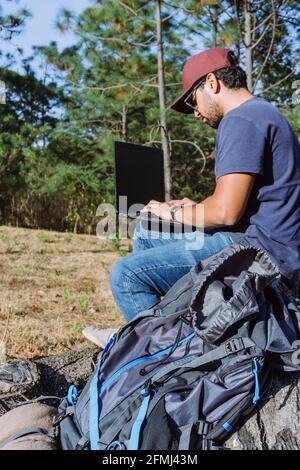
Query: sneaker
{"x": 100, "y": 337}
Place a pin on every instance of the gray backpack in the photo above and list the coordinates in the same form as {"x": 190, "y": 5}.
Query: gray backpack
{"x": 187, "y": 373}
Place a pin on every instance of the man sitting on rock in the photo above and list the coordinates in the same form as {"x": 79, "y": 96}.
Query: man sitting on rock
{"x": 256, "y": 198}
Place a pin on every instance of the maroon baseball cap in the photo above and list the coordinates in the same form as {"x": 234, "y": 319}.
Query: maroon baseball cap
{"x": 198, "y": 66}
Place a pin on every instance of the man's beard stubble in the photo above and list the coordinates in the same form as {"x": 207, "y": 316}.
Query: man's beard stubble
{"x": 213, "y": 114}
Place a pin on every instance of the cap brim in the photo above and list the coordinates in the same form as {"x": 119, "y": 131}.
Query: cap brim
{"x": 179, "y": 104}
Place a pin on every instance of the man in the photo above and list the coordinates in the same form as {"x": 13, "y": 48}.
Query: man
{"x": 257, "y": 192}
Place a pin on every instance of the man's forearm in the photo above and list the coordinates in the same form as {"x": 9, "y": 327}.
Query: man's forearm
{"x": 207, "y": 214}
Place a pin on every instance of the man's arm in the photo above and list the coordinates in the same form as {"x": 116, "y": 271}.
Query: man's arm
{"x": 224, "y": 207}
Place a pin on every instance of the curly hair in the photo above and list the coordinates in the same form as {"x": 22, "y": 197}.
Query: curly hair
{"x": 233, "y": 77}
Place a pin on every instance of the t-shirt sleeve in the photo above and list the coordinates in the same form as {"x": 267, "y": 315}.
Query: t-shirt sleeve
{"x": 240, "y": 148}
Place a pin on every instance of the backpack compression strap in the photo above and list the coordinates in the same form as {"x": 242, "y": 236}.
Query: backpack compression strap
{"x": 230, "y": 347}
{"x": 226, "y": 349}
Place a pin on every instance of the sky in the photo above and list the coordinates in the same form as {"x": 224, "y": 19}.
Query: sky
{"x": 40, "y": 28}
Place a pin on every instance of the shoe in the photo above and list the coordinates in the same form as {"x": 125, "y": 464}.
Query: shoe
{"x": 100, "y": 337}
{"x": 17, "y": 377}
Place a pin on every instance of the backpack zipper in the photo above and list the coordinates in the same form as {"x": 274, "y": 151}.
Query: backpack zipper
{"x": 139, "y": 360}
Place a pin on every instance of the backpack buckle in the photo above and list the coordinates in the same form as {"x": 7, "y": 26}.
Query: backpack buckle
{"x": 212, "y": 445}
{"x": 234, "y": 345}
{"x": 116, "y": 445}
{"x": 57, "y": 419}
{"x": 203, "y": 427}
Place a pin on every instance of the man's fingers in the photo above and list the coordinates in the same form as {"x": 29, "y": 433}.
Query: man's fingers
{"x": 181, "y": 202}
{"x": 175, "y": 202}
{"x": 151, "y": 205}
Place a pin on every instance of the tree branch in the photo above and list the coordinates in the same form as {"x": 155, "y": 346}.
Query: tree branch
{"x": 127, "y": 7}
{"x": 253, "y": 46}
{"x": 120, "y": 85}
{"x": 197, "y": 147}
{"x": 278, "y": 83}
{"x": 223, "y": 10}
{"x": 239, "y": 22}
{"x": 270, "y": 47}
{"x": 262, "y": 22}
{"x": 136, "y": 44}
{"x": 171, "y": 16}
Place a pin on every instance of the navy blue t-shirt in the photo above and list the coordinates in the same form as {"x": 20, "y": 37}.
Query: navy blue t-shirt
{"x": 256, "y": 138}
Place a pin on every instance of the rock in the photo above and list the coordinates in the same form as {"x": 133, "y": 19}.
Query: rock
{"x": 276, "y": 424}
{"x": 60, "y": 371}
{"x": 50, "y": 376}
{"x": 17, "y": 377}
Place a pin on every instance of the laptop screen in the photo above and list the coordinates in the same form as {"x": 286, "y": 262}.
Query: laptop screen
{"x": 139, "y": 174}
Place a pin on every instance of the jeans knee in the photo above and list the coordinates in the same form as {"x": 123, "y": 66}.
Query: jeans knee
{"x": 118, "y": 273}
{"x": 137, "y": 231}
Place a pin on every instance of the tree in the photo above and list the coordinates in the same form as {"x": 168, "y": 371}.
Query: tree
{"x": 115, "y": 83}
{"x": 11, "y": 24}
{"x": 162, "y": 105}
{"x": 121, "y": 39}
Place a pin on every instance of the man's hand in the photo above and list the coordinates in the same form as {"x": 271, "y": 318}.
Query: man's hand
{"x": 181, "y": 202}
{"x": 160, "y": 209}
{"x": 163, "y": 209}
{"x": 224, "y": 207}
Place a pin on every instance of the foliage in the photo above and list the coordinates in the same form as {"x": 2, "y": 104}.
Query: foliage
{"x": 58, "y": 131}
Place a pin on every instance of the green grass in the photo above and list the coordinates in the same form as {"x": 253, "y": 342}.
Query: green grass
{"x": 48, "y": 237}
{"x": 83, "y": 302}
{"x": 68, "y": 294}
{"x": 79, "y": 327}
{"x": 68, "y": 237}
{"x": 55, "y": 281}
{"x": 9, "y": 245}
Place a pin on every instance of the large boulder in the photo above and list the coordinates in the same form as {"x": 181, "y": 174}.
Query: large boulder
{"x": 276, "y": 423}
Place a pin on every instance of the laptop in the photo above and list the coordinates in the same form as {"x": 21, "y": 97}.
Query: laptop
{"x": 139, "y": 177}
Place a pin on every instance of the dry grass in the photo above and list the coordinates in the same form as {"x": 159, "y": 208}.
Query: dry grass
{"x": 53, "y": 285}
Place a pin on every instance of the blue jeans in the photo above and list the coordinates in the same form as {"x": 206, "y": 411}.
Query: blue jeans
{"x": 139, "y": 280}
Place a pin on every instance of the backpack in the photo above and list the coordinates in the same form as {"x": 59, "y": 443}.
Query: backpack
{"x": 187, "y": 373}
{"x": 28, "y": 427}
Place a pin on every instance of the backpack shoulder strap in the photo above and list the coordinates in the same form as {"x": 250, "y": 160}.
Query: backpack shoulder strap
{"x": 26, "y": 432}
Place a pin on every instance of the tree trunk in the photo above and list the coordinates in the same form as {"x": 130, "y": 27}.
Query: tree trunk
{"x": 124, "y": 123}
{"x": 214, "y": 19}
{"x": 162, "y": 106}
{"x": 249, "y": 64}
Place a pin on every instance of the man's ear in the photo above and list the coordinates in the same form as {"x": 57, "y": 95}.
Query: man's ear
{"x": 212, "y": 83}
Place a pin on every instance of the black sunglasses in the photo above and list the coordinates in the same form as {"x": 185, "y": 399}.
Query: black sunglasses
{"x": 190, "y": 100}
